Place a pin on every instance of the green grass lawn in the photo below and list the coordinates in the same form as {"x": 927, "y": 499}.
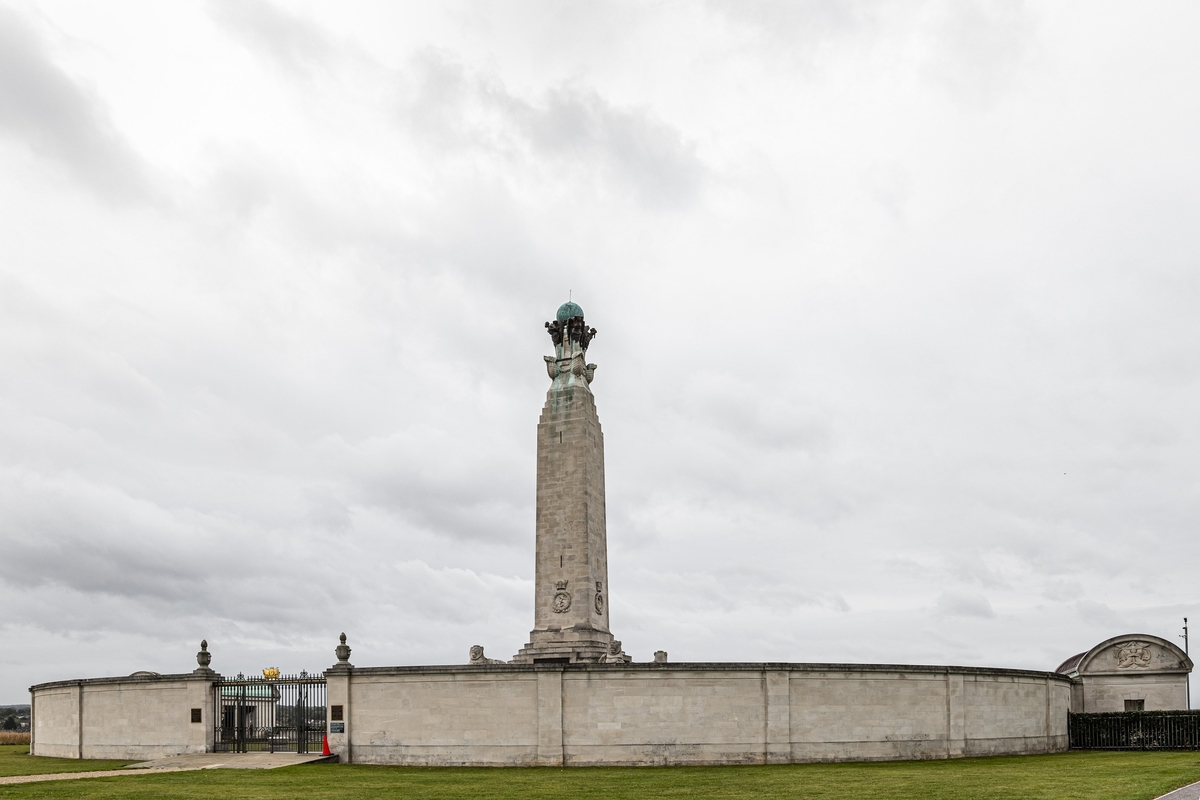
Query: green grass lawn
{"x": 15, "y": 760}
{"x": 1073, "y": 776}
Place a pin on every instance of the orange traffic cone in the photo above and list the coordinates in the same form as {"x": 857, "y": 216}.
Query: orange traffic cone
{"x": 325, "y": 746}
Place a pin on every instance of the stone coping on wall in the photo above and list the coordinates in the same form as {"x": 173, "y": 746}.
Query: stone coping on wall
{"x": 680, "y": 666}
{"x": 701, "y": 666}
{"x": 1147, "y": 673}
{"x": 185, "y": 676}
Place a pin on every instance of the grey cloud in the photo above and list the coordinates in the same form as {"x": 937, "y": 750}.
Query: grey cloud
{"x": 577, "y": 123}
{"x": 572, "y": 131}
{"x": 326, "y": 509}
{"x": 974, "y": 48}
{"x": 68, "y": 538}
{"x": 979, "y": 47}
{"x": 707, "y": 592}
{"x": 421, "y": 476}
{"x": 76, "y": 533}
{"x": 1102, "y": 615}
{"x": 249, "y": 189}
{"x": 455, "y": 595}
{"x": 963, "y": 605}
{"x": 57, "y": 118}
{"x": 1062, "y": 590}
{"x": 800, "y": 25}
{"x": 322, "y": 377}
{"x": 891, "y": 187}
{"x": 747, "y": 415}
{"x": 295, "y": 43}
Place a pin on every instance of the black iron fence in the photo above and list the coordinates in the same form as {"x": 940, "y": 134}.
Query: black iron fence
{"x": 1135, "y": 730}
{"x": 276, "y": 715}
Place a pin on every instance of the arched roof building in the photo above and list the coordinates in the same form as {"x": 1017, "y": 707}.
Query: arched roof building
{"x": 1131, "y": 672}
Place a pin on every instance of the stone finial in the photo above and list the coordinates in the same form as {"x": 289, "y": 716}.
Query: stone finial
{"x": 660, "y": 656}
{"x": 204, "y": 658}
{"x": 342, "y": 651}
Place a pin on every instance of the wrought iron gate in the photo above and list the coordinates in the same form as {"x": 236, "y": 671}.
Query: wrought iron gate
{"x": 277, "y": 715}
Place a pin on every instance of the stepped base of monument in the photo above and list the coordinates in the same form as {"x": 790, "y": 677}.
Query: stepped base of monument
{"x": 570, "y": 646}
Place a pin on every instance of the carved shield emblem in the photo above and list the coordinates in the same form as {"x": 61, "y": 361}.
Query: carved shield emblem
{"x": 1133, "y": 654}
{"x": 562, "y": 598}
{"x": 599, "y": 597}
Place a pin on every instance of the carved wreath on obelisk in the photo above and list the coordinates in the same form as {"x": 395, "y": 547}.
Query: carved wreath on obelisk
{"x": 562, "y": 598}
{"x": 599, "y": 597}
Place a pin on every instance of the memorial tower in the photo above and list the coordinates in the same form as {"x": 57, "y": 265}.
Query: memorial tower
{"x": 570, "y": 620}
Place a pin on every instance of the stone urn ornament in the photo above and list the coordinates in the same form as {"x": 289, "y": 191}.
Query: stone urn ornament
{"x": 342, "y": 651}
{"x": 204, "y": 658}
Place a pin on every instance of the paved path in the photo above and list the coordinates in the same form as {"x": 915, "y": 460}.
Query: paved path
{"x": 185, "y": 763}
{"x": 66, "y": 776}
{"x": 1189, "y": 792}
{"x": 229, "y": 761}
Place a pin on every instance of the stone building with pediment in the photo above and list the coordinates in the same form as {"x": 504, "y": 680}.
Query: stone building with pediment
{"x": 1131, "y": 672}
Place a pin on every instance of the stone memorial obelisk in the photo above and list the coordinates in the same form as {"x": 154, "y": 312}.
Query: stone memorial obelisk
{"x": 570, "y": 622}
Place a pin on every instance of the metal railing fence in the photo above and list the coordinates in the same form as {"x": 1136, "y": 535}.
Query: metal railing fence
{"x": 1135, "y": 730}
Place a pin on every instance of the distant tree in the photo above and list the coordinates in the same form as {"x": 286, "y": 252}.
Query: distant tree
{"x": 10, "y": 723}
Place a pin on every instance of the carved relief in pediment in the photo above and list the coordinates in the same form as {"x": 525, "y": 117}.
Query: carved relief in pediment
{"x": 1134, "y": 656}
{"x": 1129, "y": 656}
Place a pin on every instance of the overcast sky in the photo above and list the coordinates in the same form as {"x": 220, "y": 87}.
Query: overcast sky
{"x": 897, "y": 310}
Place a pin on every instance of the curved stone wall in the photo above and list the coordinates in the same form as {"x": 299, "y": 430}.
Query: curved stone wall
{"x": 143, "y": 716}
{"x": 638, "y": 714}
{"x": 597, "y": 714}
